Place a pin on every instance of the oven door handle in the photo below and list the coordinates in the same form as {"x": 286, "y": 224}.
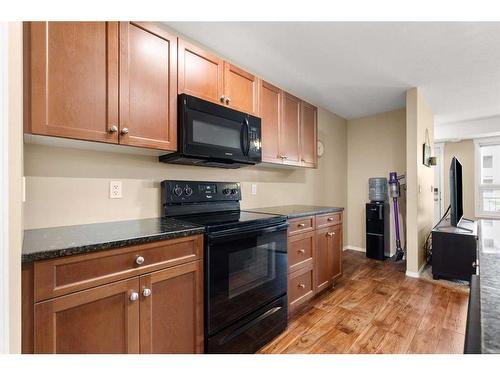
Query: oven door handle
{"x": 238, "y": 233}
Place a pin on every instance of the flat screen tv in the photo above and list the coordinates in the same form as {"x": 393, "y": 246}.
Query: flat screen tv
{"x": 456, "y": 195}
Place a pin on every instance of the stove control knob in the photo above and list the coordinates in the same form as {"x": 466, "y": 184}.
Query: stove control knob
{"x": 234, "y": 191}
{"x": 226, "y": 191}
{"x": 188, "y": 191}
{"x": 177, "y": 190}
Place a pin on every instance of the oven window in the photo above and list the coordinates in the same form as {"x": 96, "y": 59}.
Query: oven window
{"x": 250, "y": 268}
{"x": 209, "y": 133}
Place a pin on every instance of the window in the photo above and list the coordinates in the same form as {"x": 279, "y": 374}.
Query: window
{"x": 488, "y": 177}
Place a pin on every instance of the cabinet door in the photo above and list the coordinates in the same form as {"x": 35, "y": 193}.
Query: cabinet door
{"x": 308, "y": 115}
{"x": 290, "y": 130}
{"x": 98, "y": 320}
{"x": 199, "y": 73}
{"x": 148, "y": 86}
{"x": 73, "y": 79}
{"x": 336, "y": 251}
{"x": 172, "y": 315}
{"x": 240, "y": 89}
{"x": 323, "y": 264}
{"x": 270, "y": 100}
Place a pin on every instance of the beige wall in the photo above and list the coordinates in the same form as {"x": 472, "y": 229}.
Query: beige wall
{"x": 464, "y": 151}
{"x": 376, "y": 145}
{"x": 420, "y": 203}
{"x": 15, "y": 182}
{"x": 71, "y": 186}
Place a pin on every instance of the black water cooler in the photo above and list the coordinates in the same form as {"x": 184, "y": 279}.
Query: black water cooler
{"x": 378, "y": 245}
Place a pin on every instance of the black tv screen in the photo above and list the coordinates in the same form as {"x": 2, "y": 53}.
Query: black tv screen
{"x": 456, "y": 195}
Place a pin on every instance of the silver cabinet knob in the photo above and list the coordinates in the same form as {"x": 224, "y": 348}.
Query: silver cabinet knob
{"x": 113, "y": 129}
{"x": 330, "y": 234}
{"x": 146, "y": 292}
{"x": 139, "y": 260}
{"x": 228, "y": 99}
{"x": 124, "y": 131}
{"x": 331, "y": 219}
{"x": 222, "y": 98}
{"x": 134, "y": 296}
{"x": 475, "y": 264}
{"x": 301, "y": 251}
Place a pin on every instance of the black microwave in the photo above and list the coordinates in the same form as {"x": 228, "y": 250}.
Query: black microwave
{"x": 213, "y": 135}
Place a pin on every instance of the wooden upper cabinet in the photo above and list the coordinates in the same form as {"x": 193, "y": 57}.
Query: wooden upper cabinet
{"x": 200, "y": 73}
{"x": 270, "y": 101}
{"x": 148, "y": 86}
{"x": 308, "y": 140}
{"x": 95, "y": 321}
{"x": 172, "y": 315}
{"x": 240, "y": 89}
{"x": 290, "y": 130}
{"x": 72, "y": 79}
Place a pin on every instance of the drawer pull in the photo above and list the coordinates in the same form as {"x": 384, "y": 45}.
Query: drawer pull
{"x": 301, "y": 225}
{"x": 146, "y": 292}
{"x": 134, "y": 296}
{"x": 301, "y": 251}
{"x": 301, "y": 286}
{"x": 139, "y": 260}
{"x": 331, "y": 219}
{"x": 330, "y": 234}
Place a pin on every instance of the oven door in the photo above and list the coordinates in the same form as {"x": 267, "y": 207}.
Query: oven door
{"x": 245, "y": 270}
{"x": 213, "y": 131}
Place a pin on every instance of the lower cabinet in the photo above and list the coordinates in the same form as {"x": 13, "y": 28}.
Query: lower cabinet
{"x": 314, "y": 256}
{"x": 155, "y": 309}
{"x": 328, "y": 256}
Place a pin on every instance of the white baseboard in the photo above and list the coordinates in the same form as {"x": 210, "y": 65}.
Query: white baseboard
{"x": 355, "y": 248}
{"x": 416, "y": 274}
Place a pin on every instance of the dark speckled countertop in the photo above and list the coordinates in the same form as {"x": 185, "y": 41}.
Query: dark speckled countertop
{"x": 56, "y": 242}
{"x": 295, "y": 210}
{"x": 489, "y": 284}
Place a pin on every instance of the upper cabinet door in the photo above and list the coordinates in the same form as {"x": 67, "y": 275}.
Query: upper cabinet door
{"x": 172, "y": 310}
{"x": 148, "y": 86}
{"x": 72, "y": 79}
{"x": 290, "y": 130}
{"x": 100, "y": 320}
{"x": 270, "y": 100}
{"x": 240, "y": 89}
{"x": 200, "y": 73}
{"x": 308, "y": 121}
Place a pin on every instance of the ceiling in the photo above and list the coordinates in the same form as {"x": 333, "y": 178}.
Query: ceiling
{"x": 357, "y": 69}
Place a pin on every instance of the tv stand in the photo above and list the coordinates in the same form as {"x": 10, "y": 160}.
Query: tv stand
{"x": 454, "y": 250}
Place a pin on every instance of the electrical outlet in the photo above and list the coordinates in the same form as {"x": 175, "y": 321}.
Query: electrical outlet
{"x": 254, "y": 189}
{"x": 115, "y": 189}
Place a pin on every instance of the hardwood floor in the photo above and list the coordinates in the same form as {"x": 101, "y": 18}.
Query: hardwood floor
{"x": 375, "y": 308}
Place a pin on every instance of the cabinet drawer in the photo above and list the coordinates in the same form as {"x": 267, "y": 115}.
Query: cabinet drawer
{"x": 328, "y": 219}
{"x": 300, "y": 287}
{"x": 56, "y": 277}
{"x": 300, "y": 225}
{"x": 300, "y": 251}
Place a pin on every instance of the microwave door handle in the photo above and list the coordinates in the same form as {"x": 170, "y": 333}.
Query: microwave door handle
{"x": 247, "y": 137}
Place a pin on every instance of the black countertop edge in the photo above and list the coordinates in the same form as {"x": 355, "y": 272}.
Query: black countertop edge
{"x": 296, "y": 211}
{"x": 37, "y": 246}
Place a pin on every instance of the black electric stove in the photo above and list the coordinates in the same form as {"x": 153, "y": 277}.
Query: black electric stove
{"x": 245, "y": 264}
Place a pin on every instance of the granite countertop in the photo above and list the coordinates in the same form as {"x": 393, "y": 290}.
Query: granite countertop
{"x": 295, "y": 210}
{"x": 489, "y": 284}
{"x": 56, "y": 242}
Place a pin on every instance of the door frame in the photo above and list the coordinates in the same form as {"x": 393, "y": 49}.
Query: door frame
{"x": 439, "y": 172}
{"x": 4, "y": 192}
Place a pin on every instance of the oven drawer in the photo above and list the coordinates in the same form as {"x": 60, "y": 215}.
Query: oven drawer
{"x": 300, "y": 251}
{"x": 323, "y": 221}
{"x": 300, "y": 225}
{"x": 300, "y": 287}
{"x": 60, "y": 276}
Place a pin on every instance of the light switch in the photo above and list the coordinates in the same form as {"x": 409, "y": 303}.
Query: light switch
{"x": 254, "y": 189}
